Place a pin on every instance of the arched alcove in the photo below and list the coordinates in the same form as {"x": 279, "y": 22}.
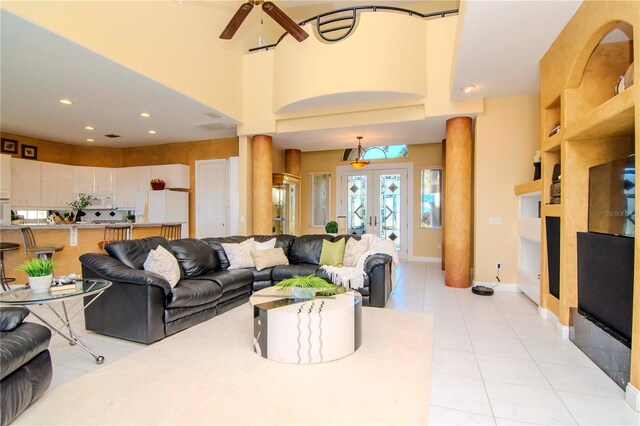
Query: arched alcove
{"x": 597, "y": 70}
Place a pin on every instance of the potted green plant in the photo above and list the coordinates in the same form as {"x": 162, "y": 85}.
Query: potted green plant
{"x": 331, "y": 227}
{"x": 82, "y": 202}
{"x": 306, "y": 287}
{"x": 40, "y": 273}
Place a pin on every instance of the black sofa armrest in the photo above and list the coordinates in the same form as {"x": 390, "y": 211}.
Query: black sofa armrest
{"x": 95, "y": 265}
{"x": 22, "y": 345}
{"x": 378, "y": 267}
{"x": 12, "y": 317}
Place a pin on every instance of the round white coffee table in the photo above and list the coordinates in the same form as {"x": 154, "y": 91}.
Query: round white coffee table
{"x": 299, "y": 331}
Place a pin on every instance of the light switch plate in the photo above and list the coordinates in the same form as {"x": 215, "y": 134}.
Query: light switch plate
{"x": 495, "y": 221}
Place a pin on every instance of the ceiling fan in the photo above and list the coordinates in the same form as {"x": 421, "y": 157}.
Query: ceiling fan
{"x": 270, "y": 9}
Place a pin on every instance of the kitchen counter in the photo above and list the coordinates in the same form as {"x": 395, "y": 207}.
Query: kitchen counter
{"x": 77, "y": 239}
{"x": 81, "y": 225}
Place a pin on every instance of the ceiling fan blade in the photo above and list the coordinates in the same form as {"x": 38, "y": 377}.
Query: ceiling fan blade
{"x": 236, "y": 21}
{"x": 285, "y": 22}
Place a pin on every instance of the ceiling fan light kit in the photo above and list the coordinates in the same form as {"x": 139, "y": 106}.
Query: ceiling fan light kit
{"x": 270, "y": 9}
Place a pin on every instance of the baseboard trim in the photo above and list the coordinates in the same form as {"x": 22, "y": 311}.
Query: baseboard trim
{"x": 501, "y": 287}
{"x": 563, "y": 331}
{"x": 632, "y": 396}
{"x": 425, "y": 259}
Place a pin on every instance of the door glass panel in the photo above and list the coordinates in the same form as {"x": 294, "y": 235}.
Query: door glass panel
{"x": 356, "y": 204}
{"x": 390, "y": 207}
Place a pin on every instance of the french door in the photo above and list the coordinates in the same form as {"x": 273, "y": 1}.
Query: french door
{"x": 375, "y": 201}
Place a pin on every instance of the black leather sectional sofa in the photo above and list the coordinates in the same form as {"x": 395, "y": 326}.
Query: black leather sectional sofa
{"x": 25, "y": 362}
{"x": 142, "y": 307}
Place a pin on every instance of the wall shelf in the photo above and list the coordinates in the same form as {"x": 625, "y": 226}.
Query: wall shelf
{"x": 552, "y": 143}
{"x": 525, "y": 188}
{"x": 552, "y": 210}
{"x": 613, "y": 118}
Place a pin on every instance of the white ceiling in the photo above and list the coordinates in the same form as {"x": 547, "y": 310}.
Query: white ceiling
{"x": 500, "y": 45}
{"x": 39, "y": 67}
{"x": 502, "y": 42}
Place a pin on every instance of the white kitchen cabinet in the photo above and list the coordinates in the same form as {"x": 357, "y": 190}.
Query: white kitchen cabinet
{"x": 26, "y": 183}
{"x": 5, "y": 173}
{"x": 93, "y": 179}
{"x": 128, "y": 181}
{"x": 175, "y": 176}
{"x": 57, "y": 185}
{"x": 103, "y": 179}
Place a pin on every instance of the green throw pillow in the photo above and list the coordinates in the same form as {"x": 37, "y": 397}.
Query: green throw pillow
{"x": 332, "y": 253}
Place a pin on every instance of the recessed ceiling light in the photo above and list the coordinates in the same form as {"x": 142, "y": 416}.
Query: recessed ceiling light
{"x": 90, "y": 140}
{"x": 145, "y": 114}
{"x": 65, "y": 101}
{"x": 152, "y": 132}
{"x": 467, "y": 89}
{"x": 88, "y": 128}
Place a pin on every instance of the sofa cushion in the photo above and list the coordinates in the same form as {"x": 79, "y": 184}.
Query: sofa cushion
{"x": 22, "y": 345}
{"x": 264, "y": 275}
{"x": 229, "y": 280}
{"x": 353, "y": 251}
{"x": 194, "y": 292}
{"x": 163, "y": 262}
{"x": 196, "y": 257}
{"x": 280, "y": 273}
{"x": 332, "y": 253}
{"x": 269, "y": 244}
{"x": 133, "y": 253}
{"x": 269, "y": 258}
{"x": 307, "y": 249}
{"x": 11, "y": 317}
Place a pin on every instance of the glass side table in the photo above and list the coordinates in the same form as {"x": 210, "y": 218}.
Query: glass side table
{"x": 60, "y": 294}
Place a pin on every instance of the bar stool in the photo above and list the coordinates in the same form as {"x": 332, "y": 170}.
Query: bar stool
{"x": 4, "y": 280}
{"x": 115, "y": 233}
{"x": 30, "y": 246}
{"x": 171, "y": 231}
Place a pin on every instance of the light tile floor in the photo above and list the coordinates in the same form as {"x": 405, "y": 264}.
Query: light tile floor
{"x": 494, "y": 360}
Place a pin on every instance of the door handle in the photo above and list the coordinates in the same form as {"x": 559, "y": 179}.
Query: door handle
{"x": 375, "y": 221}
{"x": 369, "y": 220}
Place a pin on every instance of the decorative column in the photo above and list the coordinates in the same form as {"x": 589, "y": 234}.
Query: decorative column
{"x": 442, "y": 202}
{"x": 292, "y": 161}
{"x": 262, "y": 183}
{"x": 458, "y": 190}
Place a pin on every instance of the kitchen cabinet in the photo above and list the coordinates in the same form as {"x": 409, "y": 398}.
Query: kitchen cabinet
{"x": 57, "y": 185}
{"x": 175, "y": 176}
{"x": 93, "y": 179}
{"x": 128, "y": 181}
{"x": 26, "y": 183}
{"x": 5, "y": 173}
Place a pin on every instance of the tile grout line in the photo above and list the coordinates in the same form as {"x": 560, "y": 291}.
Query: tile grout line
{"x": 484, "y": 386}
{"x": 535, "y": 361}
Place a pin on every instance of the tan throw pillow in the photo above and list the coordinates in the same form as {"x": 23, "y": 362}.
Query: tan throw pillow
{"x": 269, "y": 258}
{"x": 353, "y": 251}
{"x": 239, "y": 255}
{"x": 163, "y": 263}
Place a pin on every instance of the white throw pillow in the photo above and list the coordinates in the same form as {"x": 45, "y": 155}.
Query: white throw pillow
{"x": 239, "y": 255}
{"x": 353, "y": 250}
{"x": 163, "y": 263}
{"x": 266, "y": 245}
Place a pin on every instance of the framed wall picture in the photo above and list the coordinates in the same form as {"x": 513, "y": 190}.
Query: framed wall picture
{"x": 30, "y": 152}
{"x": 10, "y": 146}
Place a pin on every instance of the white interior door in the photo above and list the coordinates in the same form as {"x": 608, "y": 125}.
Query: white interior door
{"x": 211, "y": 198}
{"x": 376, "y": 201}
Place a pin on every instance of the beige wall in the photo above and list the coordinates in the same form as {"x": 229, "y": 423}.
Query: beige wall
{"x": 506, "y": 139}
{"x": 425, "y": 241}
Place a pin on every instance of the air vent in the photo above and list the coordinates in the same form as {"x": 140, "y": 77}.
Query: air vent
{"x": 111, "y": 135}
{"x": 215, "y": 126}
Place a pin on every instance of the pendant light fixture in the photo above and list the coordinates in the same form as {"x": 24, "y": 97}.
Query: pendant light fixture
{"x": 359, "y": 163}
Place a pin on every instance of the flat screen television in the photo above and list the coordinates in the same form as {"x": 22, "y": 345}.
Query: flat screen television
{"x": 612, "y": 197}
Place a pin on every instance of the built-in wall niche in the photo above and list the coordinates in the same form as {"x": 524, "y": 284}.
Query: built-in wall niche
{"x": 552, "y": 118}
{"x": 597, "y": 71}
